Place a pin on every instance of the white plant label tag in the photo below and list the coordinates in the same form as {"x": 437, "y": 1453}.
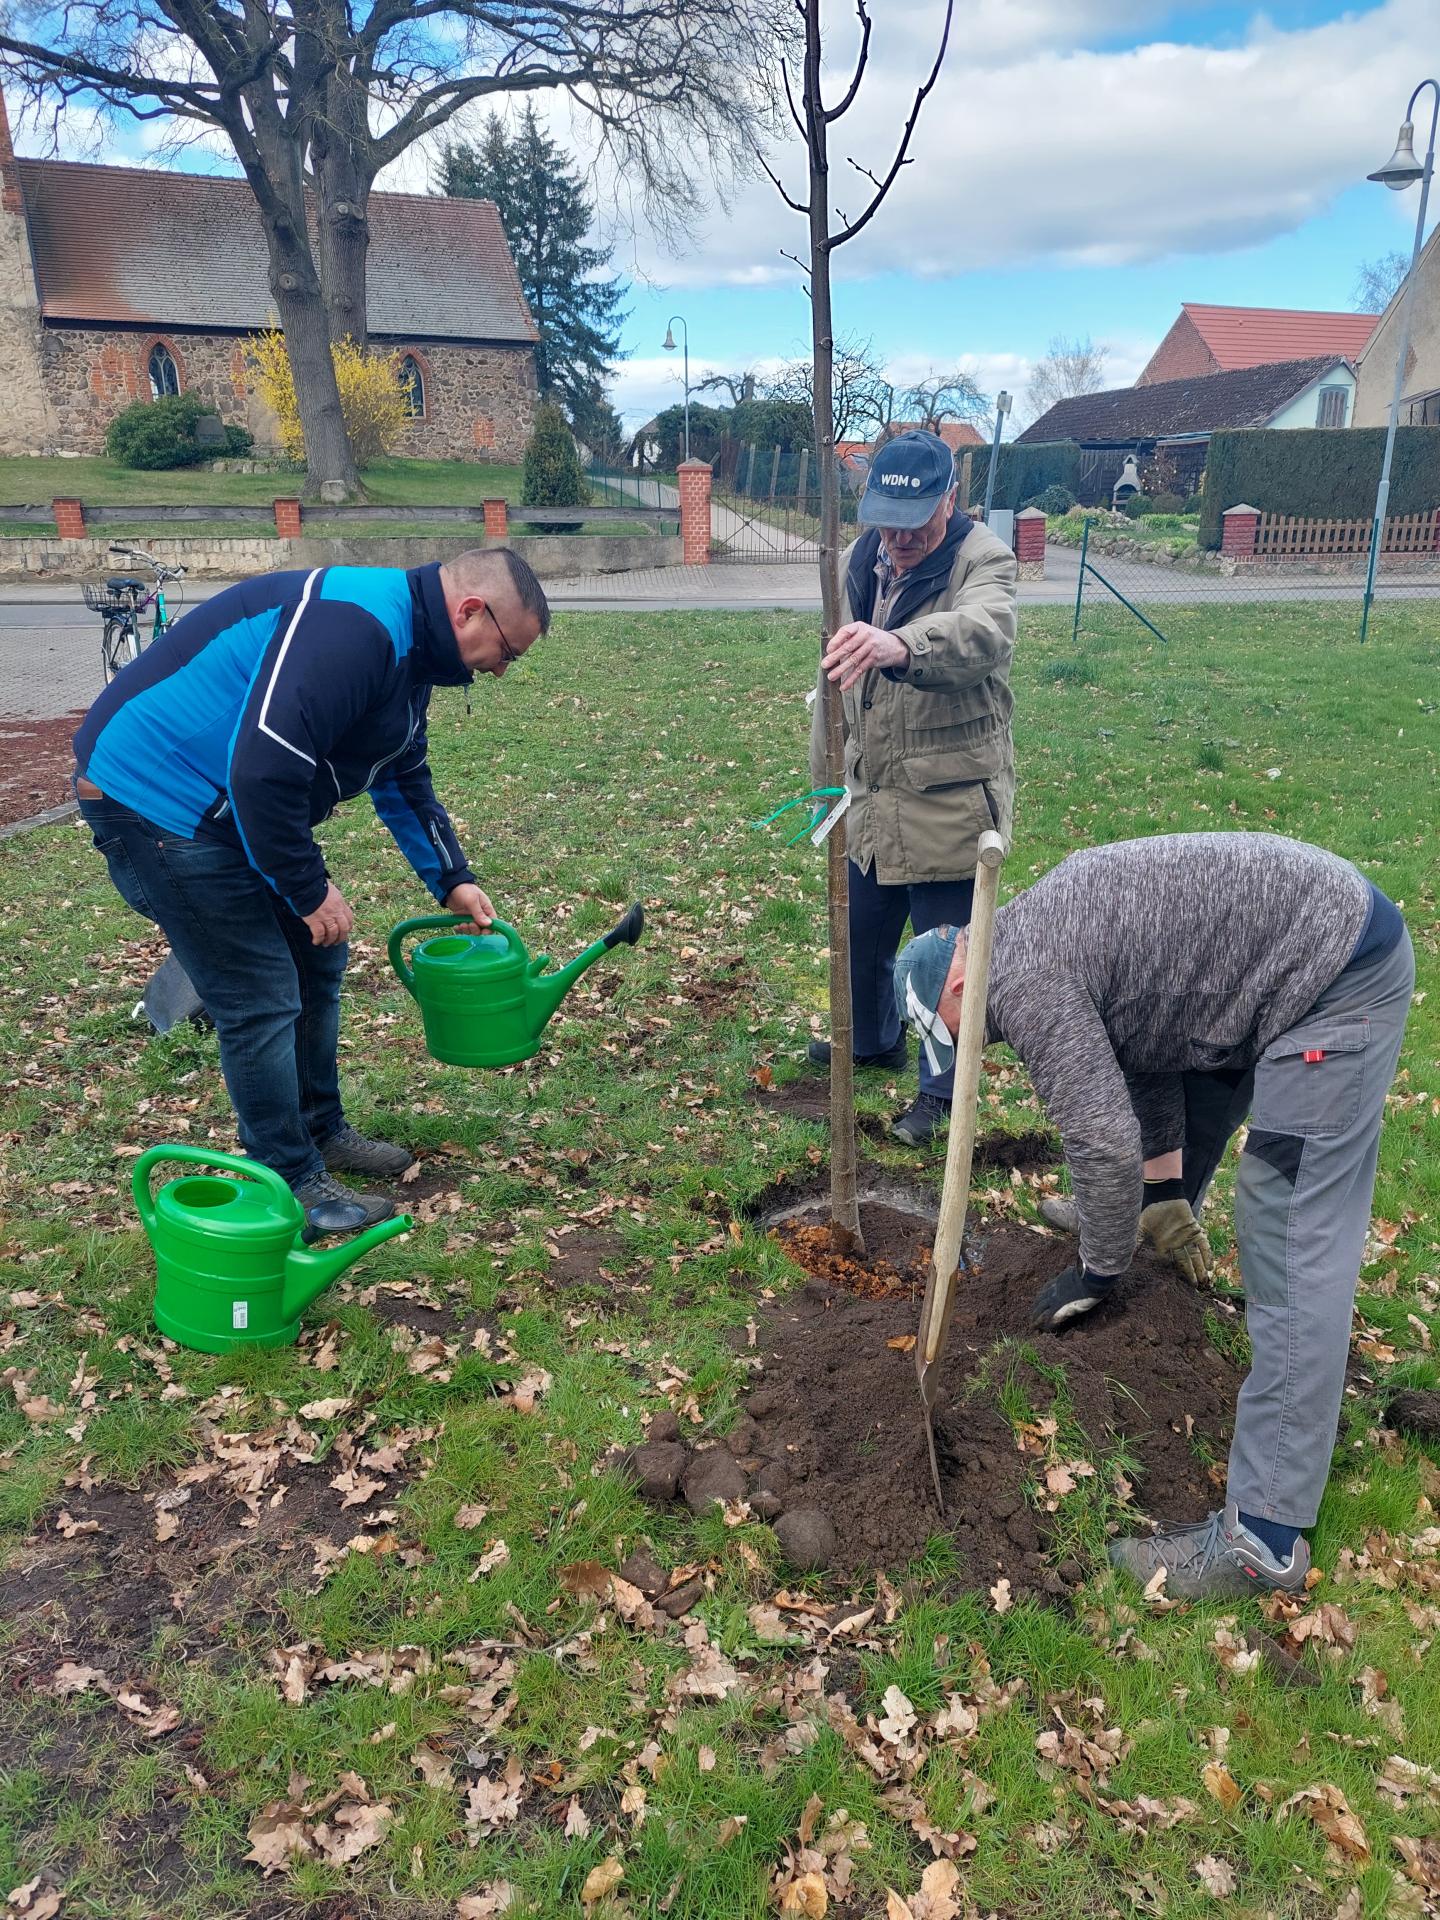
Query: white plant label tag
{"x": 239, "y": 1314}
{"x": 812, "y": 696}
{"x": 837, "y": 812}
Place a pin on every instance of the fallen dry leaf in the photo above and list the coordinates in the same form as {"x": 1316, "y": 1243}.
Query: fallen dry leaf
{"x": 899, "y": 1717}
{"x": 433, "y": 1768}
{"x": 70, "y": 1677}
{"x": 602, "y": 1880}
{"x": 805, "y": 1895}
{"x": 1422, "y": 1861}
{"x": 1216, "y": 1876}
{"x": 470, "y": 1516}
{"x": 352, "y": 1829}
{"x": 495, "y": 1899}
{"x": 1221, "y": 1784}
{"x": 729, "y": 1827}
{"x": 577, "y": 1821}
{"x": 705, "y": 1759}
{"x": 277, "y": 1836}
{"x": 902, "y": 1343}
{"x": 326, "y": 1409}
{"x": 1330, "y": 1810}
{"x": 36, "y": 1900}
{"x": 69, "y": 1528}
{"x": 356, "y": 1487}
{"x": 494, "y": 1803}
{"x": 1000, "y": 1596}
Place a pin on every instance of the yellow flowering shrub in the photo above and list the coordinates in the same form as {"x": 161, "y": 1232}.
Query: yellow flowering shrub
{"x": 371, "y": 399}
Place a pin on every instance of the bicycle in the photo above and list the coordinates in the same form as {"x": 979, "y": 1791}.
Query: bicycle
{"x": 121, "y": 602}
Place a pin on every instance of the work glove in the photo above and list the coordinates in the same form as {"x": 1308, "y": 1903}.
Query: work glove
{"x": 1070, "y": 1294}
{"x": 1170, "y": 1227}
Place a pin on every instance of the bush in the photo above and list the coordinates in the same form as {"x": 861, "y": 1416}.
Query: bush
{"x": 1025, "y": 471}
{"x": 371, "y": 399}
{"x": 1137, "y": 504}
{"x": 1324, "y": 473}
{"x": 552, "y": 467}
{"x": 1167, "y": 503}
{"x": 158, "y": 433}
{"x": 1053, "y": 501}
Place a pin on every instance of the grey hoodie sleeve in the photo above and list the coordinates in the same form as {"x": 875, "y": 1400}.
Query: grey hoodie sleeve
{"x": 1052, "y": 1023}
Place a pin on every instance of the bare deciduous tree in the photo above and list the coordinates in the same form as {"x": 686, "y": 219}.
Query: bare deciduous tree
{"x": 1067, "y": 367}
{"x": 814, "y": 119}
{"x": 931, "y": 402}
{"x": 322, "y": 94}
{"x": 1378, "y": 281}
{"x": 862, "y": 399}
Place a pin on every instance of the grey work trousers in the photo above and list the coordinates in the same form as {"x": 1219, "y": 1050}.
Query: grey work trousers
{"x": 1302, "y": 1211}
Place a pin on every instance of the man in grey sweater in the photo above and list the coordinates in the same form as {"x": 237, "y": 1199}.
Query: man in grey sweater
{"x": 1158, "y": 991}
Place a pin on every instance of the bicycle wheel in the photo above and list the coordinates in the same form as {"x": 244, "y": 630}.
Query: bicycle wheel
{"x": 120, "y": 645}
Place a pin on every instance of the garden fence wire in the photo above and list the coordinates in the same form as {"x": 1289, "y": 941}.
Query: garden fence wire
{"x": 1134, "y": 584}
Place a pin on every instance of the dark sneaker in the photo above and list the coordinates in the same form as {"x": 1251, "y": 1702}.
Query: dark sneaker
{"x": 331, "y": 1208}
{"x": 348, "y": 1151}
{"x": 1217, "y": 1559}
{"x": 1060, "y": 1211}
{"x": 895, "y": 1060}
{"x": 1069, "y": 1295}
{"x": 919, "y": 1123}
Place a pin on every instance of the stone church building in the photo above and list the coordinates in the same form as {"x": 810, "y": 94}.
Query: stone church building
{"x": 118, "y": 284}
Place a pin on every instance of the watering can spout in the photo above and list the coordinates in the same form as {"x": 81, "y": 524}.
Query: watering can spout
{"x": 309, "y": 1271}
{"x": 547, "y": 990}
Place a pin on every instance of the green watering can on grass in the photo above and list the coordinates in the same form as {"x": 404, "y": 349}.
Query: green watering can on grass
{"x": 484, "y": 1001}
{"x": 230, "y": 1266}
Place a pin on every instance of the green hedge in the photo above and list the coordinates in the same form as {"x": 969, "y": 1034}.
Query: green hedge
{"x": 1325, "y": 473}
{"x": 1024, "y": 471}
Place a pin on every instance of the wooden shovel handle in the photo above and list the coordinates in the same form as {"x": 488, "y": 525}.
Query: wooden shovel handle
{"x": 964, "y": 1107}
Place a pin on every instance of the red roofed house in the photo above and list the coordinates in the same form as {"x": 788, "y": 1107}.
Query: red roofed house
{"x": 1224, "y": 339}
{"x": 120, "y": 284}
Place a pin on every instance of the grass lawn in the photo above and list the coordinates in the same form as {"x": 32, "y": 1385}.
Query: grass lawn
{"x": 447, "y": 1639}
{"x": 389, "y": 483}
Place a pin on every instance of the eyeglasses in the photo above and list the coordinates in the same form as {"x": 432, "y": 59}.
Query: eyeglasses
{"x": 507, "y": 652}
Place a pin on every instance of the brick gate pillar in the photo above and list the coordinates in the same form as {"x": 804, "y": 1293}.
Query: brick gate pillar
{"x": 1030, "y": 543}
{"x": 287, "y": 519}
{"x": 694, "y": 478}
{"x": 497, "y": 520}
{"x": 1241, "y": 530}
{"x": 69, "y": 519}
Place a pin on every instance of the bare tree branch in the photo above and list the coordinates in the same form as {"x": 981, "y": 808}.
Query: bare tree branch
{"x": 838, "y": 111}
{"x": 884, "y": 186}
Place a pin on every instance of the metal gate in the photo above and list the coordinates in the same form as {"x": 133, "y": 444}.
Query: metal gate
{"x": 785, "y": 528}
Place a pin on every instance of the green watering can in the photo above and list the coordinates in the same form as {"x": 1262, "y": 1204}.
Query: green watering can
{"x": 484, "y": 1001}
{"x": 230, "y": 1268}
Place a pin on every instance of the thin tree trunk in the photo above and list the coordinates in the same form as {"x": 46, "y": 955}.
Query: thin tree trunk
{"x": 844, "y": 1192}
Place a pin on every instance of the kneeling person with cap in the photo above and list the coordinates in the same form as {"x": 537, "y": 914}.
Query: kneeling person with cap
{"x": 1123, "y": 979}
{"x": 922, "y": 664}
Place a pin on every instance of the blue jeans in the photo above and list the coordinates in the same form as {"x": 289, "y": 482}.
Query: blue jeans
{"x": 273, "y": 994}
{"x": 877, "y": 920}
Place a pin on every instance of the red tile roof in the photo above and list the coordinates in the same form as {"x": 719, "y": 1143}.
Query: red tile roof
{"x": 1256, "y": 336}
{"x": 186, "y": 250}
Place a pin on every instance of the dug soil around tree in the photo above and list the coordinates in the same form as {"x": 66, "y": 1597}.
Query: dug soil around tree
{"x": 834, "y": 1410}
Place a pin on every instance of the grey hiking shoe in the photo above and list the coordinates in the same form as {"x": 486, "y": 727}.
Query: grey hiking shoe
{"x": 919, "y": 1123}
{"x": 1216, "y": 1559}
{"x": 348, "y": 1151}
{"x": 331, "y": 1208}
{"x": 1060, "y": 1211}
{"x": 817, "y": 1052}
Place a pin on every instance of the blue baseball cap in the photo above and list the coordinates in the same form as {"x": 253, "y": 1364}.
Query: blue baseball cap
{"x": 920, "y": 975}
{"x": 908, "y": 479}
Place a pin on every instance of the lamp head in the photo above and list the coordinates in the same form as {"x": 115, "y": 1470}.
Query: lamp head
{"x": 668, "y": 343}
{"x": 1402, "y": 169}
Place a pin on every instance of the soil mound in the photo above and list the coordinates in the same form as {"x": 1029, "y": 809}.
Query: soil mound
{"x": 835, "y": 1411}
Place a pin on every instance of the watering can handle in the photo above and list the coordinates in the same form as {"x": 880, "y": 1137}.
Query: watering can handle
{"x": 197, "y": 1156}
{"x": 427, "y": 921}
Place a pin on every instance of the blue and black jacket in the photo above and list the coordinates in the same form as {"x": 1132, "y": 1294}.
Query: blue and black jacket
{"x": 264, "y": 707}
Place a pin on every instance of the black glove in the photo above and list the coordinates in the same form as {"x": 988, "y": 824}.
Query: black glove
{"x": 1071, "y": 1293}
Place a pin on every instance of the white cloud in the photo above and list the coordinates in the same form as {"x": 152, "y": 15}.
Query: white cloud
{"x": 1072, "y": 156}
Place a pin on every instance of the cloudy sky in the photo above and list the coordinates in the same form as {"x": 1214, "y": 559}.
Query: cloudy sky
{"x": 1082, "y": 167}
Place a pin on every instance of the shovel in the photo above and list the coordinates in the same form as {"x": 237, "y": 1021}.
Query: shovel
{"x": 960, "y": 1147}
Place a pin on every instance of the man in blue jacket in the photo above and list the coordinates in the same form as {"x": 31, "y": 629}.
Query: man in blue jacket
{"x": 202, "y": 771}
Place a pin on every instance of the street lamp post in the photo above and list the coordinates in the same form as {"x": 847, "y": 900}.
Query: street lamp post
{"x": 669, "y": 345}
{"x": 1002, "y": 407}
{"x": 1401, "y": 170}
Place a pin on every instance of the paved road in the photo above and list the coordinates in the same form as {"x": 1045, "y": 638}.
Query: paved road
{"x": 50, "y": 646}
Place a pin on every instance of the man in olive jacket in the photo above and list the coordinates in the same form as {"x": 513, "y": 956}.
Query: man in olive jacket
{"x": 922, "y": 663}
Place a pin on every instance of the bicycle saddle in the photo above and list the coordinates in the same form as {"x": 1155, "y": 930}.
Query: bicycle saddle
{"x": 124, "y": 583}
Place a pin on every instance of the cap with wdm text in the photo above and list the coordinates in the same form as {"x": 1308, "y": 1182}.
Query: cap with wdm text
{"x": 909, "y": 477}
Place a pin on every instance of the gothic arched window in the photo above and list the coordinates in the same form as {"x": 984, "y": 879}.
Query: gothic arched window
{"x": 412, "y": 385}
{"x": 164, "y": 374}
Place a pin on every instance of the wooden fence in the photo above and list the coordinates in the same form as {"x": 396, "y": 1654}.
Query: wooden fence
{"x": 1282, "y": 536}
